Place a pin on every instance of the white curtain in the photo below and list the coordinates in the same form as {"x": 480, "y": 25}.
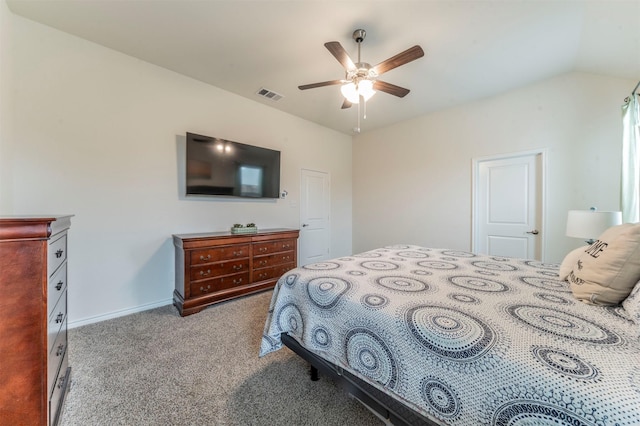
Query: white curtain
{"x": 630, "y": 197}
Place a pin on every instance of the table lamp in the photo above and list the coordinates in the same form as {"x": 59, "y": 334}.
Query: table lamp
{"x": 591, "y": 223}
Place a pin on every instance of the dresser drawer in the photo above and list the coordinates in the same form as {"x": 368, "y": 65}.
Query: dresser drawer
{"x": 59, "y": 387}
{"x": 216, "y": 284}
{"x": 57, "y": 317}
{"x": 215, "y": 254}
{"x": 272, "y": 260}
{"x": 57, "y": 253}
{"x": 58, "y": 350}
{"x": 56, "y": 286}
{"x": 272, "y": 272}
{"x": 219, "y": 268}
{"x": 273, "y": 246}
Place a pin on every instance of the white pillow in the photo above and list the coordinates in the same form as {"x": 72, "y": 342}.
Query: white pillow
{"x": 609, "y": 268}
{"x": 632, "y": 304}
{"x": 569, "y": 262}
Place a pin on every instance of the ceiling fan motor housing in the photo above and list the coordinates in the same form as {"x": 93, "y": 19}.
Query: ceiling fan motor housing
{"x": 362, "y": 71}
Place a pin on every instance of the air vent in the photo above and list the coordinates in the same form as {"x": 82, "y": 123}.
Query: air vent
{"x": 269, "y": 94}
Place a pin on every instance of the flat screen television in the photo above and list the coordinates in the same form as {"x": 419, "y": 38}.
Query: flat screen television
{"x": 219, "y": 167}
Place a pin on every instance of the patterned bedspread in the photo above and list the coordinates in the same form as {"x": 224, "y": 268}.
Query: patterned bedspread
{"x": 464, "y": 338}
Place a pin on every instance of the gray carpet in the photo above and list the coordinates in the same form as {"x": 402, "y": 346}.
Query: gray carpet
{"x": 157, "y": 368}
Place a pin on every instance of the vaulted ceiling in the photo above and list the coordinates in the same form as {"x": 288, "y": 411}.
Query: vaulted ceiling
{"x": 473, "y": 49}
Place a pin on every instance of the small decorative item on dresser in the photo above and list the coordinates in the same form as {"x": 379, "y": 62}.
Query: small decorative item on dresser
{"x": 249, "y": 228}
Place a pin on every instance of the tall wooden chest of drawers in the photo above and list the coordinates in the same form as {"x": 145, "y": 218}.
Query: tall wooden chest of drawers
{"x": 218, "y": 266}
{"x": 34, "y": 371}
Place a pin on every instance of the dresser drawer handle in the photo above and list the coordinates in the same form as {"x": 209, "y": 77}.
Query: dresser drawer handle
{"x": 204, "y": 290}
{"x": 285, "y": 246}
{"x": 60, "y": 350}
{"x": 237, "y": 267}
{"x": 237, "y": 281}
{"x": 263, "y": 262}
{"x": 262, "y": 249}
{"x": 203, "y": 273}
{"x": 205, "y": 258}
{"x": 59, "y": 253}
{"x": 61, "y": 381}
{"x": 286, "y": 258}
{"x": 59, "y": 285}
{"x": 262, "y": 275}
{"x": 59, "y": 318}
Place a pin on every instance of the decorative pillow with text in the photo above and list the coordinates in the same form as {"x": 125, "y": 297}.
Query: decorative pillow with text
{"x": 608, "y": 269}
{"x": 569, "y": 262}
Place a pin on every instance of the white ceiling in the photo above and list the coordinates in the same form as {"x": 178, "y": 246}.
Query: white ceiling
{"x": 473, "y": 49}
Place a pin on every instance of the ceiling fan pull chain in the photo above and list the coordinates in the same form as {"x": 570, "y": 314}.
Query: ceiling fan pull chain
{"x": 364, "y": 108}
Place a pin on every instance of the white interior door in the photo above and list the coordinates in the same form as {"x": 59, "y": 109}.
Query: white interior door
{"x": 314, "y": 239}
{"x": 508, "y": 206}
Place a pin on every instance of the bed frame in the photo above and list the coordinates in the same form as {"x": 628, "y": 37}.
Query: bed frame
{"x": 389, "y": 410}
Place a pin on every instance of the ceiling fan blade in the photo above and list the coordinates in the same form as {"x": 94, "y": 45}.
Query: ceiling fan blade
{"x": 340, "y": 54}
{"x": 321, "y": 84}
{"x": 391, "y": 89}
{"x": 346, "y": 104}
{"x": 411, "y": 54}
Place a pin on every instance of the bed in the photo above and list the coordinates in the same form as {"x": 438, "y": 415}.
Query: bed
{"x": 438, "y": 336}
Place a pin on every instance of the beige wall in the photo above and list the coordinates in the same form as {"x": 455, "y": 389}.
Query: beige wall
{"x": 100, "y": 135}
{"x": 6, "y": 109}
{"x": 421, "y": 169}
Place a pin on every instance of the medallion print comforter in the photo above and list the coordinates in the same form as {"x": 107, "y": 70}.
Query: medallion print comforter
{"x": 463, "y": 338}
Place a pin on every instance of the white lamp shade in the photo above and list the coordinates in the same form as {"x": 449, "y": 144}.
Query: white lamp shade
{"x": 353, "y": 93}
{"x": 350, "y": 92}
{"x": 590, "y": 224}
{"x": 366, "y": 89}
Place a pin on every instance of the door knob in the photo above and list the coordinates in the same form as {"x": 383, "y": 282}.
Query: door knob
{"x": 305, "y": 225}
{"x": 534, "y": 232}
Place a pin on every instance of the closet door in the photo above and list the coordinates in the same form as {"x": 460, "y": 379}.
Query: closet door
{"x": 508, "y": 206}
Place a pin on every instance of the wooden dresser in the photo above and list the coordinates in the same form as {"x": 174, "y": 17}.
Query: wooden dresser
{"x": 219, "y": 266}
{"x": 34, "y": 371}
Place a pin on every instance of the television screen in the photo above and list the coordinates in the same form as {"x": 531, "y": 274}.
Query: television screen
{"x": 225, "y": 168}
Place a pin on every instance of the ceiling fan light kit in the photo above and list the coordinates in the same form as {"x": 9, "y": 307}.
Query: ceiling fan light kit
{"x": 361, "y": 79}
{"x": 353, "y": 91}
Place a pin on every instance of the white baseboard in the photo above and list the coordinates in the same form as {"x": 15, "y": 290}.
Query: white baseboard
{"x": 116, "y": 314}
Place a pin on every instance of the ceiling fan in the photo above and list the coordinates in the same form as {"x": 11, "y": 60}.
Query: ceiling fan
{"x": 361, "y": 79}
